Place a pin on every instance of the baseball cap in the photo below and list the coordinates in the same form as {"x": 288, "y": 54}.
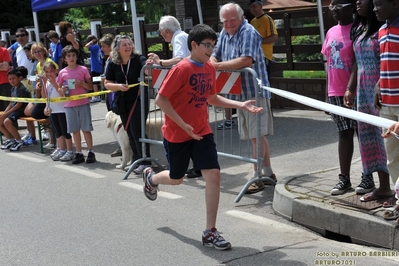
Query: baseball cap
{"x": 3, "y": 41}
{"x": 255, "y": 1}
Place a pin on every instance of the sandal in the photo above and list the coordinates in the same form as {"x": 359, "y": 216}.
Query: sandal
{"x": 391, "y": 214}
{"x": 391, "y": 202}
{"x": 255, "y": 187}
{"x": 266, "y": 182}
{"x": 372, "y": 196}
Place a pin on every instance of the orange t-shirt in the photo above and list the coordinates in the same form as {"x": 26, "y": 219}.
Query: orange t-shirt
{"x": 187, "y": 86}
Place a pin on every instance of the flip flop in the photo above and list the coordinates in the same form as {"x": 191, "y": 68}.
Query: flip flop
{"x": 391, "y": 214}
{"x": 371, "y": 196}
{"x": 392, "y": 201}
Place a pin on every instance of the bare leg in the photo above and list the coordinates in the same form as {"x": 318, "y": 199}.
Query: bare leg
{"x": 89, "y": 139}
{"x": 345, "y": 150}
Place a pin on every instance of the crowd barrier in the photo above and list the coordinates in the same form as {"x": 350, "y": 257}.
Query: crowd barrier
{"x": 227, "y": 141}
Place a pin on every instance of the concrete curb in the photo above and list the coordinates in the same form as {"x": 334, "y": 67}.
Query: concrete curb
{"x": 362, "y": 228}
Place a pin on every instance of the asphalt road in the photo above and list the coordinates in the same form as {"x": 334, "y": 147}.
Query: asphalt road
{"x": 53, "y": 213}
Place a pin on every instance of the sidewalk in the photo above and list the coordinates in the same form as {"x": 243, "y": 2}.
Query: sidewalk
{"x": 306, "y": 200}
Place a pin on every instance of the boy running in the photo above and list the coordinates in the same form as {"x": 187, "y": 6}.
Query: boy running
{"x": 183, "y": 97}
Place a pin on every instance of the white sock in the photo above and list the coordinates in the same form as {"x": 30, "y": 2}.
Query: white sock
{"x": 267, "y": 170}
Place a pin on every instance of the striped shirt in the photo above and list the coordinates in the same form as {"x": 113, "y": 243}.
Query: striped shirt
{"x": 246, "y": 42}
{"x": 388, "y": 38}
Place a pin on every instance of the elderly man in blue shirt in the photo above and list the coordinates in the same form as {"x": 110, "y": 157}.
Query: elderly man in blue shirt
{"x": 239, "y": 46}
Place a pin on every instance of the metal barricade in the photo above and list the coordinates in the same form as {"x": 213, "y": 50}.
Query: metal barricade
{"x": 228, "y": 144}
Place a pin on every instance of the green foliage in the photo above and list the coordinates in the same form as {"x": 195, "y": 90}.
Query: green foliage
{"x": 303, "y": 40}
{"x": 304, "y": 74}
{"x": 155, "y": 47}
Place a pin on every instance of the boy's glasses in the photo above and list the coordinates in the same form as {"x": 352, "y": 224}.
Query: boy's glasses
{"x": 338, "y": 7}
{"x": 208, "y": 46}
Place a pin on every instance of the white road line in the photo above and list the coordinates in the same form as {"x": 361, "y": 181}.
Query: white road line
{"x": 162, "y": 194}
{"x": 79, "y": 171}
{"x": 262, "y": 220}
{"x": 29, "y": 158}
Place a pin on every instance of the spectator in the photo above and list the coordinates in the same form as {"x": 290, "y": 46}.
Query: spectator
{"x": 36, "y": 110}
{"x": 5, "y": 87}
{"x": 96, "y": 63}
{"x": 105, "y": 43}
{"x": 14, "y": 110}
{"x": 56, "y": 111}
{"x": 364, "y": 34}
{"x": 170, "y": 30}
{"x": 386, "y": 98}
{"x": 22, "y": 36}
{"x": 76, "y": 79}
{"x": 239, "y": 46}
{"x": 264, "y": 24}
{"x": 3, "y": 43}
{"x": 68, "y": 38}
{"x": 55, "y": 51}
{"x": 124, "y": 70}
{"x": 338, "y": 49}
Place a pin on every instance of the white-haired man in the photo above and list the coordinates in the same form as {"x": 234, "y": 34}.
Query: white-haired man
{"x": 239, "y": 46}
{"x": 170, "y": 30}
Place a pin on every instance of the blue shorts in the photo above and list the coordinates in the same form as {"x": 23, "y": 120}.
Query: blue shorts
{"x": 14, "y": 116}
{"x": 203, "y": 154}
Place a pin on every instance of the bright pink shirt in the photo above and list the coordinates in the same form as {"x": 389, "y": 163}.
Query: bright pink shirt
{"x": 338, "y": 49}
{"x": 79, "y": 73}
{"x": 188, "y": 86}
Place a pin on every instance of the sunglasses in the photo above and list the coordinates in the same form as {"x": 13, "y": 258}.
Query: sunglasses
{"x": 20, "y": 35}
{"x": 338, "y": 7}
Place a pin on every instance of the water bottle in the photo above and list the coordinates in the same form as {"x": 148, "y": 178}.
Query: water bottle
{"x": 67, "y": 92}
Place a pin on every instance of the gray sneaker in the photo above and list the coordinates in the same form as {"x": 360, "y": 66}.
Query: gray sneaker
{"x": 58, "y": 156}
{"x": 67, "y": 157}
{"x": 151, "y": 192}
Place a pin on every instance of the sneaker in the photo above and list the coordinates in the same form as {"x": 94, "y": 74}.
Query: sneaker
{"x": 255, "y": 187}
{"x": 30, "y": 142}
{"x": 27, "y": 135}
{"x": 343, "y": 185}
{"x": 49, "y": 146}
{"x": 91, "y": 157}
{"x": 95, "y": 99}
{"x": 45, "y": 135}
{"x": 58, "y": 156}
{"x": 366, "y": 184}
{"x": 68, "y": 156}
{"x": 17, "y": 145}
{"x": 7, "y": 144}
{"x": 227, "y": 124}
{"x": 139, "y": 170}
{"x": 213, "y": 238}
{"x": 79, "y": 158}
{"x": 54, "y": 153}
{"x": 151, "y": 192}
